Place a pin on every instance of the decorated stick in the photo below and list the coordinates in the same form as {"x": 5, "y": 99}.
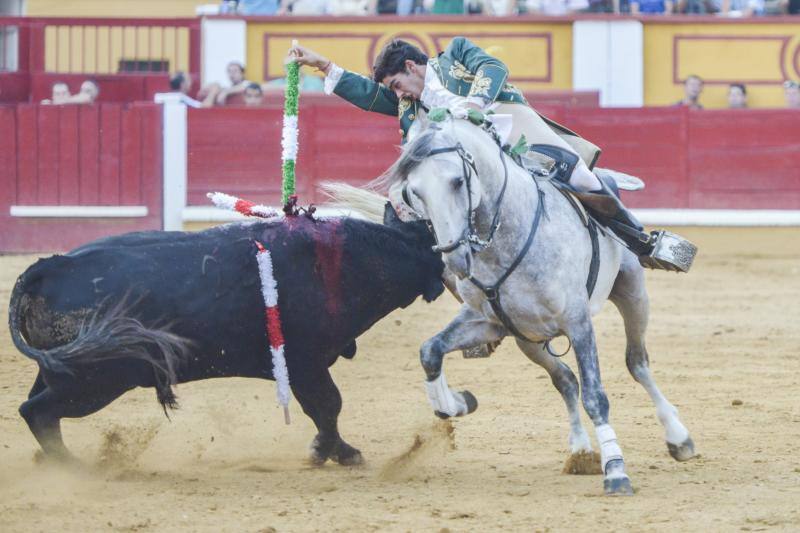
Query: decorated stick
{"x": 269, "y": 290}
{"x": 289, "y": 138}
{"x": 247, "y": 208}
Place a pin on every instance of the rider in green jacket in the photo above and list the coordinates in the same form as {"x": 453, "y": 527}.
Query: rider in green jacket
{"x": 406, "y": 83}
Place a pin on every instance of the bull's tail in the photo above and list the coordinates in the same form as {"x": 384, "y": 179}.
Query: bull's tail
{"x": 107, "y": 335}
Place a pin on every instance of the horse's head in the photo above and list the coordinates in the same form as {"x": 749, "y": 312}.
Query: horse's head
{"x": 438, "y": 174}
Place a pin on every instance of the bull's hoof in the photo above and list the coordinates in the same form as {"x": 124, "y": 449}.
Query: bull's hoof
{"x": 315, "y": 459}
{"x": 346, "y": 455}
{"x": 618, "y": 486}
{"x": 683, "y": 451}
{"x": 355, "y": 459}
{"x": 443, "y": 416}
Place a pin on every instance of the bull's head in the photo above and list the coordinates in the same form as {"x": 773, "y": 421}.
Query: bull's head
{"x": 419, "y": 233}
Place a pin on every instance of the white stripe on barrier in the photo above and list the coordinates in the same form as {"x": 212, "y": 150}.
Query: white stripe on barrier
{"x": 649, "y": 217}
{"x": 718, "y": 217}
{"x": 78, "y": 211}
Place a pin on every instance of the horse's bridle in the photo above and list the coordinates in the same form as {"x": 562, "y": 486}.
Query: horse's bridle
{"x": 470, "y": 235}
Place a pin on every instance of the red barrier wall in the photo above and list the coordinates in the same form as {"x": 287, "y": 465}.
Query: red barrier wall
{"x": 100, "y": 155}
{"x": 238, "y": 149}
{"x": 689, "y": 159}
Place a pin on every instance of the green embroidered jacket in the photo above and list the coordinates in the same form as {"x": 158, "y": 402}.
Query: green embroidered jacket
{"x": 463, "y": 69}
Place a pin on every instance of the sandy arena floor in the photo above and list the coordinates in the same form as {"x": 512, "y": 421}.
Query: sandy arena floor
{"x": 725, "y": 349}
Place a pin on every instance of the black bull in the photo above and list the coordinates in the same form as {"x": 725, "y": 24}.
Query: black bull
{"x": 157, "y": 308}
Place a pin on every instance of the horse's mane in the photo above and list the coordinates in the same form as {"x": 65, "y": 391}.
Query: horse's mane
{"x": 413, "y": 154}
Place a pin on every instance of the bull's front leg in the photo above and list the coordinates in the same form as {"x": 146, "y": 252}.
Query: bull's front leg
{"x": 469, "y": 328}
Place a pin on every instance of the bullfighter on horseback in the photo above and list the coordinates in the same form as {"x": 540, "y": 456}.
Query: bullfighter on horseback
{"x": 466, "y": 80}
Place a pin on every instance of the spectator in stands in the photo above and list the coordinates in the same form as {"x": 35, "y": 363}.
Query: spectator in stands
{"x": 651, "y": 7}
{"x": 692, "y": 88}
{"x": 602, "y": 6}
{"x": 238, "y": 82}
{"x": 216, "y": 94}
{"x": 87, "y": 94}
{"x": 697, "y": 7}
{"x": 556, "y": 7}
{"x": 59, "y": 94}
{"x": 739, "y": 8}
{"x": 791, "y": 91}
{"x": 253, "y": 95}
{"x": 181, "y": 82}
{"x": 737, "y": 96}
{"x": 501, "y": 8}
{"x": 403, "y": 7}
{"x": 791, "y": 7}
{"x": 258, "y": 7}
{"x": 349, "y": 7}
{"x": 303, "y": 7}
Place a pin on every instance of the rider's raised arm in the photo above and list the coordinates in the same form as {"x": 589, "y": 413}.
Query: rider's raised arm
{"x": 364, "y": 93}
{"x": 490, "y": 72}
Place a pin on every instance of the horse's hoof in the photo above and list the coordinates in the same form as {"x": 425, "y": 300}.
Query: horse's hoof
{"x": 618, "y": 486}
{"x": 443, "y": 416}
{"x": 683, "y": 451}
{"x": 472, "y": 401}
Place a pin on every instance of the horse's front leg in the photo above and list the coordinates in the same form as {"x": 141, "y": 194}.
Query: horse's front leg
{"x": 595, "y": 402}
{"x": 469, "y": 328}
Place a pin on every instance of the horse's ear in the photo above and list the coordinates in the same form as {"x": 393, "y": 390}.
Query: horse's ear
{"x": 390, "y": 217}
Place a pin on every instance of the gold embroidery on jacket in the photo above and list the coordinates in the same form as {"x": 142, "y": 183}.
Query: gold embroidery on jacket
{"x": 481, "y": 84}
{"x": 402, "y": 106}
{"x": 460, "y": 72}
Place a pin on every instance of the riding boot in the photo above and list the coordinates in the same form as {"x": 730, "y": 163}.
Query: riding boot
{"x": 658, "y": 249}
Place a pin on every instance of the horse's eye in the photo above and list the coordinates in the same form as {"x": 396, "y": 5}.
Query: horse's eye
{"x": 457, "y": 183}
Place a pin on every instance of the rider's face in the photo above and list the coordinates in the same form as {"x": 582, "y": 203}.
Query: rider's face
{"x": 409, "y": 83}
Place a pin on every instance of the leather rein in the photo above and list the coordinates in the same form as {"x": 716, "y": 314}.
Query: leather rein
{"x": 470, "y": 236}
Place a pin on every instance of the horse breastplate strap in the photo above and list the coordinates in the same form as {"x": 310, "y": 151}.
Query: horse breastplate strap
{"x": 492, "y": 292}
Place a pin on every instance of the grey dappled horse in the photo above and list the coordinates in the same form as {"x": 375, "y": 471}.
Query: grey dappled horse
{"x": 521, "y": 255}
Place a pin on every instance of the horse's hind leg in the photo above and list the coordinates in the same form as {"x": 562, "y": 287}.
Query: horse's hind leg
{"x": 567, "y": 384}
{"x": 630, "y": 297}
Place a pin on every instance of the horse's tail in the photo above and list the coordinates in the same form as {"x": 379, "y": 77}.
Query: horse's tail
{"x": 104, "y": 337}
{"x": 366, "y": 203}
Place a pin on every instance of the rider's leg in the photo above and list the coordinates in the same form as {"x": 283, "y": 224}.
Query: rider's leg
{"x": 597, "y": 197}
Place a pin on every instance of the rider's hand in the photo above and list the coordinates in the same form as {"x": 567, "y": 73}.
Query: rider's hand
{"x": 306, "y": 56}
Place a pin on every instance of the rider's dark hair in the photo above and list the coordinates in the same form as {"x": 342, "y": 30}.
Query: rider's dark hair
{"x": 392, "y": 59}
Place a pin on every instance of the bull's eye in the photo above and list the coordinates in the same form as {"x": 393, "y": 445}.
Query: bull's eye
{"x": 457, "y": 183}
